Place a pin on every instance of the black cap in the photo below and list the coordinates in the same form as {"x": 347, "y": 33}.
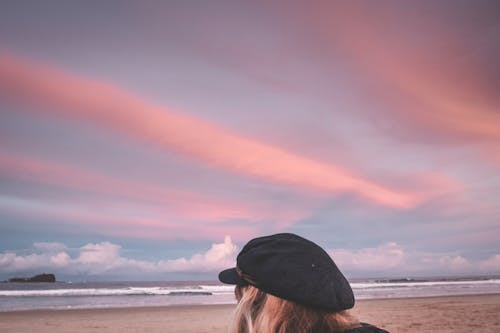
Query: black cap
{"x": 294, "y": 268}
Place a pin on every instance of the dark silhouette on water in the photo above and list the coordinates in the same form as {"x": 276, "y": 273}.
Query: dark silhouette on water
{"x": 37, "y": 278}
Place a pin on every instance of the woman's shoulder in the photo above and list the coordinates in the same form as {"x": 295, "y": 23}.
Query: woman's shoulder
{"x": 366, "y": 328}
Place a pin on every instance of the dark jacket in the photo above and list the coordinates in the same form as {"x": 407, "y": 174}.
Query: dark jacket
{"x": 366, "y": 328}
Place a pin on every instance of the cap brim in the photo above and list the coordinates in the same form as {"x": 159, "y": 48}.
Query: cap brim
{"x": 230, "y": 276}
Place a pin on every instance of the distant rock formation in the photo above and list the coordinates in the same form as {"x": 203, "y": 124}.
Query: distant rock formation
{"x": 37, "y": 278}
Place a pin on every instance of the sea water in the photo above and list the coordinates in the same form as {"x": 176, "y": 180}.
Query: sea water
{"x": 90, "y": 295}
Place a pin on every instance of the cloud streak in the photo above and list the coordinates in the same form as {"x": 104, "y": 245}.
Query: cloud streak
{"x": 140, "y": 209}
{"x": 436, "y": 82}
{"x": 108, "y": 106}
{"x": 129, "y": 223}
{"x": 185, "y": 203}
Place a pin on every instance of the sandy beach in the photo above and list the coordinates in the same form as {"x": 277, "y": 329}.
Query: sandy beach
{"x": 477, "y": 313}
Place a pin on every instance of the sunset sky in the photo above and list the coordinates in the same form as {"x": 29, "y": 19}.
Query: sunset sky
{"x": 149, "y": 140}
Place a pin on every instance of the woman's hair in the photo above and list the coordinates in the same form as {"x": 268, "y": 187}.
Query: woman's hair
{"x": 259, "y": 312}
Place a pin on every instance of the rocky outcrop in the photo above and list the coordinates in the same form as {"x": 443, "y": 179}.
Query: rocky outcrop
{"x": 37, "y": 278}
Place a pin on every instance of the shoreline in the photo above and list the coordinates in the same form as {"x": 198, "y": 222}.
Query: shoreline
{"x": 454, "y": 313}
{"x": 233, "y": 304}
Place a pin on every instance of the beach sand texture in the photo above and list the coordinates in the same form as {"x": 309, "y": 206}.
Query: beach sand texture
{"x": 477, "y": 313}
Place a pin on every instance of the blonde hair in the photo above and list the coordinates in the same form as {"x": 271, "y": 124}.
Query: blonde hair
{"x": 259, "y": 312}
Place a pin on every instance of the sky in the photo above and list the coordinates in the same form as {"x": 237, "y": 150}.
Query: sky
{"x": 150, "y": 140}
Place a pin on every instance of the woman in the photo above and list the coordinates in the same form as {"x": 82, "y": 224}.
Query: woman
{"x": 285, "y": 283}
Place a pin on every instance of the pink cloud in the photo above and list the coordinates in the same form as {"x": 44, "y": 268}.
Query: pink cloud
{"x": 140, "y": 208}
{"x": 108, "y": 106}
{"x": 432, "y": 83}
{"x": 184, "y": 203}
{"x": 150, "y": 224}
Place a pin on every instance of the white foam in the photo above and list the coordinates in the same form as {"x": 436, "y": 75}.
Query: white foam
{"x": 205, "y": 290}
{"x": 218, "y": 289}
{"x": 129, "y": 291}
{"x": 377, "y": 285}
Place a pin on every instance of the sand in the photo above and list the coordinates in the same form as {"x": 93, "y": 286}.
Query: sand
{"x": 455, "y": 314}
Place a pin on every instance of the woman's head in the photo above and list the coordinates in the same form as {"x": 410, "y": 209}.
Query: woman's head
{"x": 259, "y": 312}
{"x": 293, "y": 268}
{"x": 285, "y": 283}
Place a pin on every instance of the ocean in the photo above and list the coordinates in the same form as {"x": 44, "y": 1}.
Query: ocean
{"x": 91, "y": 295}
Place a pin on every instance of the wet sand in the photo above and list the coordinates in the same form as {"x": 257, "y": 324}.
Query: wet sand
{"x": 476, "y": 313}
